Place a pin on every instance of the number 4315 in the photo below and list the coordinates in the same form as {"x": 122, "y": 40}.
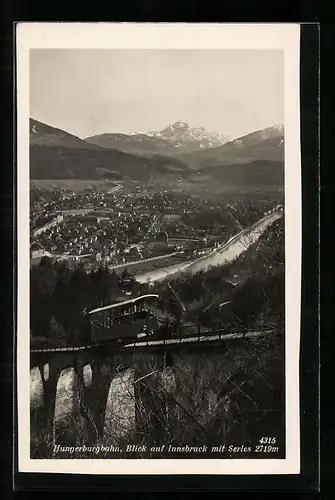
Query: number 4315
{"x": 267, "y": 440}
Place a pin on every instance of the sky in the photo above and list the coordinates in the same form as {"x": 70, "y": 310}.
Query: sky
{"x": 88, "y": 92}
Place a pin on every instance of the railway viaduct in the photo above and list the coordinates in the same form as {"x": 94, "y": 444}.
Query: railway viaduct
{"x": 169, "y": 382}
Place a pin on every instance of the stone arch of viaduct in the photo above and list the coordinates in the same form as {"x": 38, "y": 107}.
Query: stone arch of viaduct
{"x": 192, "y": 367}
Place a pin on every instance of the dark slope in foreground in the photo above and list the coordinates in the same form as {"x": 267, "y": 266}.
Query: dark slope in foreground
{"x": 55, "y": 154}
{"x": 253, "y": 161}
{"x": 253, "y": 174}
{"x": 258, "y": 299}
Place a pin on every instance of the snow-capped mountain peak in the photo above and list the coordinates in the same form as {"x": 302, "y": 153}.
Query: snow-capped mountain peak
{"x": 181, "y": 132}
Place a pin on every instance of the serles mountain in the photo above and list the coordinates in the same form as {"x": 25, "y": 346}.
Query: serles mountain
{"x": 256, "y": 159}
{"x": 56, "y": 154}
{"x": 182, "y": 134}
{"x": 174, "y": 139}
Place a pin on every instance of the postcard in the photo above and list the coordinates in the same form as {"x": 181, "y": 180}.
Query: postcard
{"x": 159, "y": 248}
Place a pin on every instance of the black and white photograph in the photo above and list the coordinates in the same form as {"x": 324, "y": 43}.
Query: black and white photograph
{"x": 159, "y": 202}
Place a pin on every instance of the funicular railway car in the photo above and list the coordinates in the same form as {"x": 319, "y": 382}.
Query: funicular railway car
{"x": 123, "y": 321}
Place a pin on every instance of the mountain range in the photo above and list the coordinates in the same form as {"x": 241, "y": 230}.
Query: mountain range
{"x": 179, "y": 151}
{"x": 172, "y": 140}
{"x": 266, "y": 144}
{"x": 56, "y": 154}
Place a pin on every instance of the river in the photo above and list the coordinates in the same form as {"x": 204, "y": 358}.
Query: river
{"x": 219, "y": 256}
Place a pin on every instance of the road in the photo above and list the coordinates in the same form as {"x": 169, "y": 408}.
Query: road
{"x": 142, "y": 261}
{"x": 115, "y": 189}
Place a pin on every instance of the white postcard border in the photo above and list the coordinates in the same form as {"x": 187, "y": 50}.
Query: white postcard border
{"x": 284, "y": 37}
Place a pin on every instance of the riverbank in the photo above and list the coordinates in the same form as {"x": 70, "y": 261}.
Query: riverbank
{"x": 149, "y": 265}
{"x": 225, "y": 253}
